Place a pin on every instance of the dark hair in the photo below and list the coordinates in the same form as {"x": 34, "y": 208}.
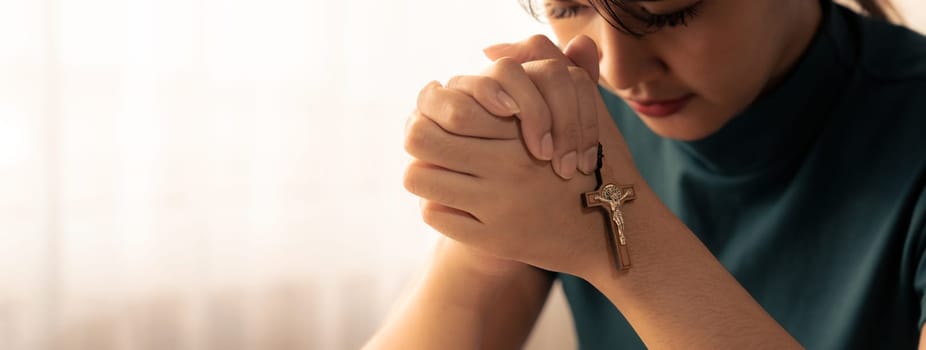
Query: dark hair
{"x": 622, "y": 16}
{"x": 880, "y": 9}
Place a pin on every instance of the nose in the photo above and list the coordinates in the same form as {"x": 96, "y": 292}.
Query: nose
{"x": 626, "y": 61}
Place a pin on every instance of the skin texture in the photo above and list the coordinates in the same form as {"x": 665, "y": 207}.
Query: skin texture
{"x": 724, "y": 68}
{"x": 484, "y": 187}
{"x": 479, "y": 187}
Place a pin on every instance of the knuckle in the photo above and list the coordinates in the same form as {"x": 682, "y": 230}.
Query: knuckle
{"x": 415, "y": 138}
{"x": 538, "y": 40}
{"x": 505, "y": 64}
{"x": 485, "y": 89}
{"x": 409, "y": 180}
{"x": 590, "y": 121}
{"x": 484, "y": 85}
{"x": 420, "y": 182}
{"x": 425, "y": 93}
{"x": 433, "y": 215}
{"x": 579, "y": 75}
{"x": 549, "y": 69}
{"x": 588, "y": 142}
{"x": 554, "y": 64}
{"x": 569, "y": 134}
{"x": 455, "y": 81}
{"x": 590, "y": 132}
{"x": 429, "y": 214}
{"x": 408, "y": 121}
{"x": 455, "y": 116}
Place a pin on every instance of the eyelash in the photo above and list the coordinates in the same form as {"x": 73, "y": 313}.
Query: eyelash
{"x": 678, "y": 18}
{"x": 565, "y": 12}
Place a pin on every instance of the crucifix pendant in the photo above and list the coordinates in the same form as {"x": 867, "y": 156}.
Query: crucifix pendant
{"x": 611, "y": 197}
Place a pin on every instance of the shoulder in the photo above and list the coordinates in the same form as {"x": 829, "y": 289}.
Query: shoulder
{"x": 889, "y": 86}
{"x": 882, "y": 116}
{"x": 891, "y": 53}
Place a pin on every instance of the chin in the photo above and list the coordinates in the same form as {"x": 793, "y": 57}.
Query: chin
{"x": 686, "y": 125}
{"x": 677, "y": 132}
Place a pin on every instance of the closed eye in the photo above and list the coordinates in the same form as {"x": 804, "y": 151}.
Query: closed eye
{"x": 678, "y": 18}
{"x": 564, "y": 9}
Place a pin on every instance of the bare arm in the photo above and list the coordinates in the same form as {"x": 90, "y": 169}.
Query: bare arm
{"x": 516, "y": 309}
{"x": 922, "y": 342}
{"x": 454, "y": 306}
{"x": 677, "y": 294}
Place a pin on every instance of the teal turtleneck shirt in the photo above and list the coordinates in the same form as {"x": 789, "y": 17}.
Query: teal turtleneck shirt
{"x": 813, "y": 198}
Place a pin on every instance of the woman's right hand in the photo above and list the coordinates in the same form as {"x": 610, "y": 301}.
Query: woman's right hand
{"x": 553, "y": 128}
{"x": 549, "y": 90}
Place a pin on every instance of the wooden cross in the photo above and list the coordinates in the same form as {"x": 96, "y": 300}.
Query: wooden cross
{"x": 611, "y": 197}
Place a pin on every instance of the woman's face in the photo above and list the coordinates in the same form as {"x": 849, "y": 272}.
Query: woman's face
{"x": 687, "y": 81}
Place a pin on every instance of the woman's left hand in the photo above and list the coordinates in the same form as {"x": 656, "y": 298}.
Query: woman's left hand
{"x": 480, "y": 186}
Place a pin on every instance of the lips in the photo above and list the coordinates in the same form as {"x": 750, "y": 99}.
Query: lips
{"x": 659, "y": 108}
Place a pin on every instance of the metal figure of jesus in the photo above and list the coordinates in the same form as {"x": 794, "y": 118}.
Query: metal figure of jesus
{"x": 612, "y": 197}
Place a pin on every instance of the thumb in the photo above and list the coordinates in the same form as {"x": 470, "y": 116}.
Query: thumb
{"x": 583, "y": 51}
{"x": 535, "y": 48}
{"x": 580, "y": 51}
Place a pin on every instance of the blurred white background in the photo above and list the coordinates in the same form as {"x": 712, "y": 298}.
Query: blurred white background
{"x": 207, "y": 174}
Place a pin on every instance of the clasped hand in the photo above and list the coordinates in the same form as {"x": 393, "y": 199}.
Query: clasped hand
{"x": 483, "y": 146}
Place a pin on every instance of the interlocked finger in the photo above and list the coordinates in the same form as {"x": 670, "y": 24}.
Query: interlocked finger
{"x": 487, "y": 92}
{"x": 451, "y": 222}
{"x": 460, "y": 114}
{"x": 443, "y": 186}
{"x": 586, "y": 92}
{"x": 426, "y": 140}
{"x": 553, "y": 80}
{"x": 536, "y": 123}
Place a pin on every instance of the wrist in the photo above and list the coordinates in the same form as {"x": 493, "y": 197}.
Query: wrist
{"x": 646, "y": 220}
{"x": 467, "y": 278}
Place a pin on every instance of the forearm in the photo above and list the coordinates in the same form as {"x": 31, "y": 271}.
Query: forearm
{"x": 677, "y": 294}
{"x": 446, "y": 309}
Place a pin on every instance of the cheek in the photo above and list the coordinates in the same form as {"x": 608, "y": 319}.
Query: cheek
{"x": 564, "y": 35}
{"x": 728, "y": 69}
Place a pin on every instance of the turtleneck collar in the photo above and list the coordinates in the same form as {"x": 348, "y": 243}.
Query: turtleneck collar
{"x": 780, "y": 125}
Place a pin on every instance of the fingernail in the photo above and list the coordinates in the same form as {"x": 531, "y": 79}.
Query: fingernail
{"x": 591, "y": 159}
{"x": 568, "y": 165}
{"x": 508, "y": 102}
{"x": 546, "y": 147}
